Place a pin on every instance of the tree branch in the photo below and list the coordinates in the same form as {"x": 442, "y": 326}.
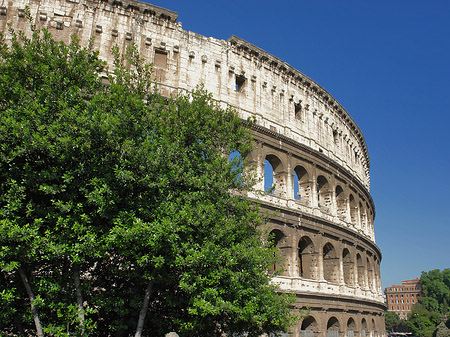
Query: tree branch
{"x": 144, "y": 308}
{"x": 26, "y": 283}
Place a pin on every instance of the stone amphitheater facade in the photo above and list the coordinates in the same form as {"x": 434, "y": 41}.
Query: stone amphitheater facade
{"x": 315, "y": 152}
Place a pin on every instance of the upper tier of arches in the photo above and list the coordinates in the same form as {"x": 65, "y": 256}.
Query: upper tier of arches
{"x": 303, "y": 183}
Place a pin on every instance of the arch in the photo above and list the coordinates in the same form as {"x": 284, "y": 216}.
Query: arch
{"x": 302, "y": 185}
{"x": 351, "y": 327}
{"x": 341, "y": 202}
{"x": 360, "y": 268}
{"x": 236, "y": 161}
{"x": 323, "y": 192}
{"x": 374, "y": 330}
{"x": 309, "y": 326}
{"x": 353, "y": 210}
{"x": 274, "y": 180}
{"x": 330, "y": 263}
{"x": 377, "y": 274}
{"x": 307, "y": 259}
{"x": 369, "y": 274}
{"x": 333, "y": 327}
{"x": 348, "y": 267}
{"x": 278, "y": 240}
{"x": 363, "y": 327}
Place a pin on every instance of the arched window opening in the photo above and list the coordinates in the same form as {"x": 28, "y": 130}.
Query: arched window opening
{"x": 309, "y": 327}
{"x": 360, "y": 266}
{"x": 341, "y": 203}
{"x": 237, "y": 163}
{"x": 351, "y": 327}
{"x": 374, "y": 330}
{"x": 278, "y": 240}
{"x": 274, "y": 180}
{"x": 268, "y": 177}
{"x": 336, "y": 138}
{"x": 302, "y": 185}
{"x": 307, "y": 259}
{"x": 370, "y": 274}
{"x": 348, "y": 267}
{"x": 353, "y": 210}
{"x": 333, "y": 327}
{"x": 363, "y": 327}
{"x": 323, "y": 192}
{"x": 330, "y": 264}
{"x": 377, "y": 276}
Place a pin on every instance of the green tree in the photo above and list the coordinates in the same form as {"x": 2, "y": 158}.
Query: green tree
{"x": 119, "y": 210}
{"x": 436, "y": 288}
{"x": 422, "y": 322}
{"x": 393, "y": 321}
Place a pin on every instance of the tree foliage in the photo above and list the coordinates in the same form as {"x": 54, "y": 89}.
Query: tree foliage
{"x": 393, "y": 321}
{"x": 422, "y": 322}
{"x": 436, "y": 288}
{"x": 426, "y": 315}
{"x": 112, "y": 194}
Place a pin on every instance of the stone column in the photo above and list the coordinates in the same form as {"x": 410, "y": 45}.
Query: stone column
{"x": 333, "y": 199}
{"x": 294, "y": 255}
{"x": 341, "y": 267}
{"x": 314, "y": 192}
{"x": 259, "y": 166}
{"x": 289, "y": 178}
{"x": 358, "y": 217}
{"x": 348, "y": 214}
{"x": 321, "y": 277}
{"x": 366, "y": 271}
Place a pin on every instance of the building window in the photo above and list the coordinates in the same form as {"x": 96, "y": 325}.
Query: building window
{"x": 160, "y": 58}
{"x": 240, "y": 81}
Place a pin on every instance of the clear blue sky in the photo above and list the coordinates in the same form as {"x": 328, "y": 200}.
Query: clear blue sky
{"x": 388, "y": 64}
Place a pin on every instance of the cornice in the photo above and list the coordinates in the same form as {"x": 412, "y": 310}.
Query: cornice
{"x": 132, "y": 7}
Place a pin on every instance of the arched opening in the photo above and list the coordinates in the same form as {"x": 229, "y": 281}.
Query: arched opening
{"x": 330, "y": 264}
{"x": 236, "y": 161}
{"x": 377, "y": 275}
{"x": 302, "y": 185}
{"x": 323, "y": 192}
{"x": 278, "y": 240}
{"x": 369, "y": 274}
{"x": 353, "y": 210}
{"x": 333, "y": 327}
{"x": 360, "y": 266}
{"x": 307, "y": 259}
{"x": 348, "y": 267}
{"x": 351, "y": 327}
{"x": 374, "y": 330}
{"x": 309, "y": 327}
{"x": 274, "y": 181}
{"x": 341, "y": 202}
{"x": 363, "y": 327}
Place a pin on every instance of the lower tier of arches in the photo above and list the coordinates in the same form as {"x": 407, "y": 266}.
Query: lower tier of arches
{"x": 337, "y": 317}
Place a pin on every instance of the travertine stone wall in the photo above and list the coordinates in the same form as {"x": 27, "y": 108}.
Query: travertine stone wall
{"x": 324, "y": 213}
{"x": 280, "y": 97}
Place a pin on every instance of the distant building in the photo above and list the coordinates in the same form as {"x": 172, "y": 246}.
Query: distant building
{"x": 401, "y": 298}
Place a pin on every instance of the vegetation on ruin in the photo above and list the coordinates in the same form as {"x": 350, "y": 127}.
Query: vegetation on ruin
{"x": 433, "y": 306}
{"x": 116, "y": 216}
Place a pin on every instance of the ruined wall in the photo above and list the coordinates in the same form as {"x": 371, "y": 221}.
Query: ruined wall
{"x": 324, "y": 211}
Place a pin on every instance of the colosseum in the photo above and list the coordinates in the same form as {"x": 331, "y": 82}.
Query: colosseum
{"x": 307, "y": 146}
